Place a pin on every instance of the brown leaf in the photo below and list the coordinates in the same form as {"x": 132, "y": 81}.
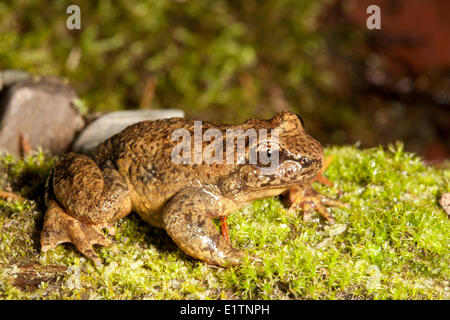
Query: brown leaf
{"x": 445, "y": 202}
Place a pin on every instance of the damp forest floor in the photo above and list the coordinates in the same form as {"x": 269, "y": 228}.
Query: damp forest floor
{"x": 391, "y": 243}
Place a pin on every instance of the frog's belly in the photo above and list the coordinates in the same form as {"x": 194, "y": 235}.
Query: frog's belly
{"x": 152, "y": 218}
{"x": 150, "y": 211}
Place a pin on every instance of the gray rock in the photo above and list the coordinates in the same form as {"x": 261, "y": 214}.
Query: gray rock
{"x": 42, "y": 111}
{"x": 111, "y": 123}
{"x": 10, "y": 77}
{"x": 335, "y": 229}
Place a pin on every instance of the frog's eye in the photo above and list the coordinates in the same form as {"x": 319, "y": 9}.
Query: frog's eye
{"x": 305, "y": 162}
{"x": 266, "y": 152}
{"x": 301, "y": 120}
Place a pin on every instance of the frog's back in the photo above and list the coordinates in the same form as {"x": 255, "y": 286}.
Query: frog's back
{"x": 142, "y": 153}
{"x": 142, "y": 138}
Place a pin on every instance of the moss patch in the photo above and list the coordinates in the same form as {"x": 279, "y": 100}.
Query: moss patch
{"x": 392, "y": 243}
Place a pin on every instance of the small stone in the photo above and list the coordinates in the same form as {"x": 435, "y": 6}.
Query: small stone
{"x": 41, "y": 110}
{"x": 10, "y": 77}
{"x": 109, "y": 124}
{"x": 374, "y": 276}
{"x": 445, "y": 202}
{"x": 324, "y": 244}
{"x": 336, "y": 229}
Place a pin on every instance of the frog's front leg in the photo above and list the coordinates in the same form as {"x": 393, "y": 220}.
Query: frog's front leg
{"x": 306, "y": 198}
{"x": 188, "y": 221}
{"x": 309, "y": 200}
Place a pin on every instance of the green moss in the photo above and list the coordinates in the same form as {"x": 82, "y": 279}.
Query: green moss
{"x": 392, "y": 243}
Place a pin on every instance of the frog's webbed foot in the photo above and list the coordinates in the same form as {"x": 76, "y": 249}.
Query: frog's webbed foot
{"x": 60, "y": 227}
{"x": 193, "y": 230}
{"x": 308, "y": 199}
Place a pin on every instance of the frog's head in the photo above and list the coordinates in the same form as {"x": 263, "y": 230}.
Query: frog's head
{"x": 294, "y": 156}
{"x": 300, "y": 155}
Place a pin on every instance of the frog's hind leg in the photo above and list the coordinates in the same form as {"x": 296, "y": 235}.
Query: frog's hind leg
{"x": 188, "y": 221}
{"x": 60, "y": 227}
{"x": 82, "y": 199}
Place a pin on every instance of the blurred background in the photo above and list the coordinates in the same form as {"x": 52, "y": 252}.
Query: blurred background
{"x": 232, "y": 60}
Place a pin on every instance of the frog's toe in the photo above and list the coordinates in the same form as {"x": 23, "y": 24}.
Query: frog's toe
{"x": 323, "y": 211}
{"x": 310, "y": 200}
{"x": 307, "y": 211}
{"x": 60, "y": 227}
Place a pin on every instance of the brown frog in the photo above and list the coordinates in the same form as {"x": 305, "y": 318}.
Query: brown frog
{"x": 134, "y": 171}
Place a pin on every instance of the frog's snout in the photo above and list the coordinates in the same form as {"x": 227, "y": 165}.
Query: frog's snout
{"x": 302, "y": 161}
{"x": 302, "y": 169}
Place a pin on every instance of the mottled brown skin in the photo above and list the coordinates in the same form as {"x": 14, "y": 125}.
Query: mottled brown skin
{"x": 133, "y": 171}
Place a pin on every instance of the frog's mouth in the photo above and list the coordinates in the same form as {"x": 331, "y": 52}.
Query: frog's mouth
{"x": 288, "y": 174}
{"x": 282, "y": 158}
{"x": 298, "y": 170}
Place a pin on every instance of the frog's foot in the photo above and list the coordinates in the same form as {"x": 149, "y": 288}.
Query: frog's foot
{"x": 60, "y": 227}
{"x": 310, "y": 200}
